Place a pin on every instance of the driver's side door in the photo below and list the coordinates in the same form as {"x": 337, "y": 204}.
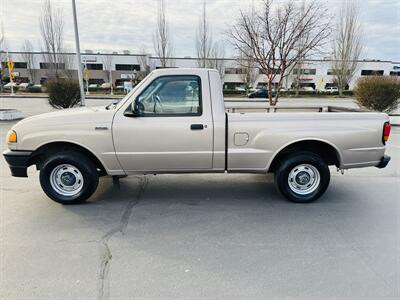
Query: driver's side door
{"x": 172, "y": 130}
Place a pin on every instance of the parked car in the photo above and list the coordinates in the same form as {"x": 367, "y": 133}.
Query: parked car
{"x": 93, "y": 86}
{"x": 260, "y": 93}
{"x": 8, "y": 85}
{"x": 105, "y": 85}
{"x": 24, "y": 86}
{"x": 240, "y": 89}
{"x": 161, "y": 127}
{"x": 332, "y": 89}
{"x": 307, "y": 89}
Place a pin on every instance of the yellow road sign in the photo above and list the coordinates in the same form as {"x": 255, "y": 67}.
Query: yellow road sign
{"x": 86, "y": 74}
{"x": 10, "y": 64}
{"x": 320, "y": 85}
{"x": 12, "y": 76}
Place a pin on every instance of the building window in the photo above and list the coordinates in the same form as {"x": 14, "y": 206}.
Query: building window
{"x": 49, "y": 65}
{"x": 372, "y": 72}
{"x": 94, "y": 66}
{"x": 310, "y": 71}
{"x": 274, "y": 71}
{"x": 332, "y": 72}
{"x": 20, "y": 65}
{"x": 235, "y": 71}
{"x": 305, "y": 71}
{"x": 17, "y": 65}
{"x": 127, "y": 67}
{"x": 394, "y": 73}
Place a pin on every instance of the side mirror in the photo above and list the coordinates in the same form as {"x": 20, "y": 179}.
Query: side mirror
{"x": 134, "y": 110}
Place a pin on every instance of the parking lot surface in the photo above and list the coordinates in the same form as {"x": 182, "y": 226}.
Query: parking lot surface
{"x": 226, "y": 236}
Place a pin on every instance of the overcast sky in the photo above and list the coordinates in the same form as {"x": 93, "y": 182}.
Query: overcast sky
{"x": 116, "y": 25}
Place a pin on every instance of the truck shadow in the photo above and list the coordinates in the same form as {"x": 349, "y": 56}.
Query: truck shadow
{"x": 209, "y": 195}
{"x": 191, "y": 189}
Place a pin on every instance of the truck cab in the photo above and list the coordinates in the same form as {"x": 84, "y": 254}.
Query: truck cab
{"x": 173, "y": 124}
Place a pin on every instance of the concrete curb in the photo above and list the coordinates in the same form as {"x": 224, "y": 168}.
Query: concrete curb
{"x": 10, "y": 114}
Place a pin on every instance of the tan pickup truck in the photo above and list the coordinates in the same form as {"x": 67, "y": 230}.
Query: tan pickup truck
{"x": 175, "y": 121}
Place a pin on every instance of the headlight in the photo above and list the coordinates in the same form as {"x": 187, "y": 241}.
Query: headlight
{"x": 11, "y": 136}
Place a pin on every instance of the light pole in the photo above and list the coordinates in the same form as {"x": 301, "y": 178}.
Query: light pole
{"x": 78, "y": 54}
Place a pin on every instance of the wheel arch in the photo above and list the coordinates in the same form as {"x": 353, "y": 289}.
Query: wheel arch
{"x": 329, "y": 153}
{"x": 40, "y": 154}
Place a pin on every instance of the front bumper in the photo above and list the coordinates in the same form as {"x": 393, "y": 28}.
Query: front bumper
{"x": 384, "y": 161}
{"x": 18, "y": 162}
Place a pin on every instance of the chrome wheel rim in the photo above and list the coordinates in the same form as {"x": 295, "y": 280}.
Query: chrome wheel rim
{"x": 66, "y": 180}
{"x": 304, "y": 179}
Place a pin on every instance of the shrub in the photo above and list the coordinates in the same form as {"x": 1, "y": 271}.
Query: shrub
{"x": 34, "y": 89}
{"x": 380, "y": 93}
{"x": 348, "y": 93}
{"x": 63, "y": 93}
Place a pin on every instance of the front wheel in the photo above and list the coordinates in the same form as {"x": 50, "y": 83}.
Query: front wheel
{"x": 302, "y": 177}
{"x": 69, "y": 177}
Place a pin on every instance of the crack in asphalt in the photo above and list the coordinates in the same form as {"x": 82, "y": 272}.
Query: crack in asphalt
{"x": 106, "y": 254}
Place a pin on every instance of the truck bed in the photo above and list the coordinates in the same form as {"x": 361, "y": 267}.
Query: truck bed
{"x": 248, "y": 106}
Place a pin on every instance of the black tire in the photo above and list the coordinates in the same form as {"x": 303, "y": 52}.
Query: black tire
{"x": 307, "y": 162}
{"x": 88, "y": 177}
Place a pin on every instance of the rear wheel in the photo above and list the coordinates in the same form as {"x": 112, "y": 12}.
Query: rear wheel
{"x": 302, "y": 177}
{"x": 69, "y": 177}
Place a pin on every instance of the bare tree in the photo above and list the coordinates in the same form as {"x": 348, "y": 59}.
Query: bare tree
{"x": 68, "y": 60}
{"x": 162, "y": 40}
{"x": 204, "y": 44}
{"x": 3, "y": 56}
{"x": 272, "y": 36}
{"x": 347, "y": 46}
{"x": 27, "y": 55}
{"x": 52, "y": 32}
{"x": 107, "y": 63}
{"x": 299, "y": 67}
{"x": 246, "y": 61}
{"x": 249, "y": 70}
{"x": 142, "y": 58}
{"x": 216, "y": 60}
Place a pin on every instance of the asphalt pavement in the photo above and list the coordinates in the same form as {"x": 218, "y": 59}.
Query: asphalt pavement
{"x": 201, "y": 237}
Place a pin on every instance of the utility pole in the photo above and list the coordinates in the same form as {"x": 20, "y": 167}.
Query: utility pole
{"x": 78, "y": 54}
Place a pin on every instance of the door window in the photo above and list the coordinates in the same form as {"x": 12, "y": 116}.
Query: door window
{"x": 172, "y": 95}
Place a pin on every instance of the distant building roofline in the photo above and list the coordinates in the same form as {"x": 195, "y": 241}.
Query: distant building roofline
{"x": 190, "y": 58}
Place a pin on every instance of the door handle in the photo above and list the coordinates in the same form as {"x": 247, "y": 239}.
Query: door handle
{"x": 196, "y": 127}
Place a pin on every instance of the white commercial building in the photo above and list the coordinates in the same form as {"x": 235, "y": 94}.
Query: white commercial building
{"x": 125, "y": 66}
